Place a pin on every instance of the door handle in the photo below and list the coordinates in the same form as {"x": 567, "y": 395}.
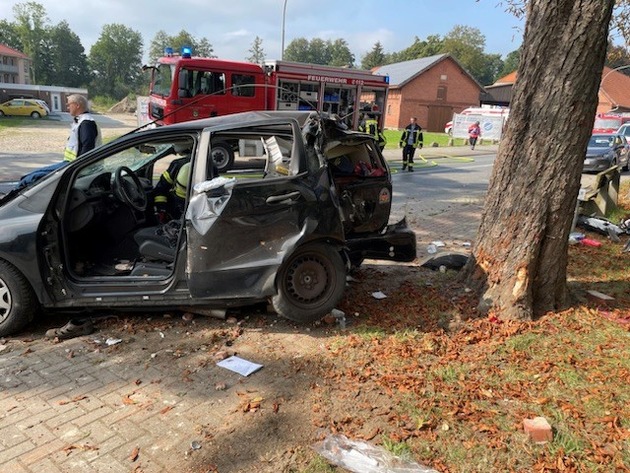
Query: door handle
{"x": 283, "y": 198}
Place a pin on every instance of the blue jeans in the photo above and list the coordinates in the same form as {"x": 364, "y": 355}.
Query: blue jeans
{"x": 39, "y": 173}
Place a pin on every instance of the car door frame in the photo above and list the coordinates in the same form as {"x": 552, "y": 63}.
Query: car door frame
{"x": 294, "y": 209}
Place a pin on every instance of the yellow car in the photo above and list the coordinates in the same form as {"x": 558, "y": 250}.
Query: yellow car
{"x": 23, "y": 107}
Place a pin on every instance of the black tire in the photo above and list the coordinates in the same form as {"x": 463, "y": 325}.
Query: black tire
{"x": 36, "y": 115}
{"x": 310, "y": 283}
{"x": 18, "y": 304}
{"x": 222, "y": 156}
{"x": 1, "y": 113}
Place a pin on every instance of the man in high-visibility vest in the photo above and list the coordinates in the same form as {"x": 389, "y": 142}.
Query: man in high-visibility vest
{"x": 84, "y": 133}
{"x": 84, "y": 137}
{"x": 410, "y": 140}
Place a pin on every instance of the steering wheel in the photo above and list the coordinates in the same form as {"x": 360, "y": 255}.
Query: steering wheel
{"x": 128, "y": 189}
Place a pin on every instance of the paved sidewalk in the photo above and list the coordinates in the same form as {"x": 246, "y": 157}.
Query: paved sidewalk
{"x": 146, "y": 403}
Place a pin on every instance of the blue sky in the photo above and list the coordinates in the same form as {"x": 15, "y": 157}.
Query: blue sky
{"x": 232, "y": 25}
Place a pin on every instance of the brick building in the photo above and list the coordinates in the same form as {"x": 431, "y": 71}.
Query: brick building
{"x": 431, "y": 89}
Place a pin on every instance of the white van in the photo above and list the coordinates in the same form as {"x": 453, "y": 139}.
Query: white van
{"x": 485, "y": 111}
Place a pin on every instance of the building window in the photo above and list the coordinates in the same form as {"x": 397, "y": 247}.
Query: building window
{"x": 441, "y": 93}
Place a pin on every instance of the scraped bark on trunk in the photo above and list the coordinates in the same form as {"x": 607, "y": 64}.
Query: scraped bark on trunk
{"x": 519, "y": 259}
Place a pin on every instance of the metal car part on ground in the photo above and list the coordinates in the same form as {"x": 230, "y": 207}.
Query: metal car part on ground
{"x": 284, "y": 228}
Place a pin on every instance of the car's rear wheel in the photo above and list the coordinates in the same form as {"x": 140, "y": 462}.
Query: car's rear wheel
{"x": 17, "y": 300}
{"x": 222, "y": 156}
{"x": 36, "y": 115}
{"x": 310, "y": 283}
{"x": 1, "y": 113}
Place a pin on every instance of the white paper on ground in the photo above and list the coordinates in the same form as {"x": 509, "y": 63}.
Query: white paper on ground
{"x": 239, "y": 365}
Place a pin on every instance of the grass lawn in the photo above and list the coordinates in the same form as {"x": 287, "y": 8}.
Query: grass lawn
{"x": 442, "y": 139}
{"x": 12, "y": 122}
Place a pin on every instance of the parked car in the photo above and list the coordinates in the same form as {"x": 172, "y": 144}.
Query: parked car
{"x": 625, "y": 131}
{"x": 43, "y": 104}
{"x": 85, "y": 237}
{"x": 606, "y": 150}
{"x": 23, "y": 107}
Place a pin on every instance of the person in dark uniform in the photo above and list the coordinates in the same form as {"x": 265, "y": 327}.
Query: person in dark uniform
{"x": 410, "y": 140}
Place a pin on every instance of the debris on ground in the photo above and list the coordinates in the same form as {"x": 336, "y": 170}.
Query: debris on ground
{"x": 361, "y": 457}
{"x": 450, "y": 260}
{"x": 600, "y": 225}
{"x": 239, "y": 365}
{"x": 74, "y": 328}
{"x": 538, "y": 430}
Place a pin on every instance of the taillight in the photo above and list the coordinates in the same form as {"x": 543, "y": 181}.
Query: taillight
{"x": 384, "y": 196}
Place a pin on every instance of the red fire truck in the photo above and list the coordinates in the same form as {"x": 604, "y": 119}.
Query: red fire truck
{"x": 187, "y": 88}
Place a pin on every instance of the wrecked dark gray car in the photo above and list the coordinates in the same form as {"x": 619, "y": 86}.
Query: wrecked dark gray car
{"x": 309, "y": 201}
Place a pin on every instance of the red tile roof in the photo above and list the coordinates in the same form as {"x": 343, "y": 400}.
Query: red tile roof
{"x": 509, "y": 79}
{"x": 7, "y": 51}
{"x": 615, "y": 86}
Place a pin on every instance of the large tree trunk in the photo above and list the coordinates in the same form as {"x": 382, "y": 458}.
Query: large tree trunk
{"x": 519, "y": 260}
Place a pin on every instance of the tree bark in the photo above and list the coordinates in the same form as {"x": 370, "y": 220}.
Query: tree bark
{"x": 519, "y": 261}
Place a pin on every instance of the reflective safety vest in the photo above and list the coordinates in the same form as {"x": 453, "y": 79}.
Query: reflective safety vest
{"x": 72, "y": 145}
{"x": 415, "y": 133}
{"x": 371, "y": 127}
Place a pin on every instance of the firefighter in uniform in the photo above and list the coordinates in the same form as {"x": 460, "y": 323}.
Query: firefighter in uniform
{"x": 410, "y": 140}
{"x": 170, "y": 191}
{"x": 370, "y": 126}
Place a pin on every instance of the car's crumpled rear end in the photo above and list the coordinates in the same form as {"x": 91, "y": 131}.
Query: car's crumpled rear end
{"x": 364, "y": 190}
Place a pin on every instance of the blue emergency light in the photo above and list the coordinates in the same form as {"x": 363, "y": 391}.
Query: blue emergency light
{"x": 168, "y": 52}
{"x": 186, "y": 51}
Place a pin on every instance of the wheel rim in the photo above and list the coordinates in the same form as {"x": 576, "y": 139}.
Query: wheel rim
{"x": 5, "y": 300}
{"x": 220, "y": 158}
{"x": 308, "y": 280}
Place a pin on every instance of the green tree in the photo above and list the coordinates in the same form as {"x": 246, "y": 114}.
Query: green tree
{"x": 510, "y": 63}
{"x": 617, "y": 56}
{"x": 9, "y": 35}
{"x": 162, "y": 40}
{"x": 32, "y": 29}
{"x": 298, "y": 50}
{"x": 376, "y": 57}
{"x": 431, "y": 46}
{"x": 467, "y": 45}
{"x": 116, "y": 60}
{"x": 319, "y": 52}
{"x": 256, "y": 52}
{"x": 204, "y": 48}
{"x": 340, "y": 54}
{"x": 70, "y": 61}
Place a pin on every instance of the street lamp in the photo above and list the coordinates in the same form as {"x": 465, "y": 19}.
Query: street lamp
{"x": 284, "y": 12}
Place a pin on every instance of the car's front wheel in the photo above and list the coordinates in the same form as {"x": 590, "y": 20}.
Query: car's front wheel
{"x": 36, "y": 115}
{"x": 310, "y": 283}
{"x": 17, "y": 301}
{"x": 1, "y": 113}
